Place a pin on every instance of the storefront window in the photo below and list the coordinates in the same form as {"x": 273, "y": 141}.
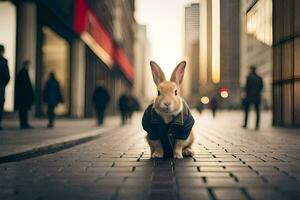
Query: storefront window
{"x": 55, "y": 56}
{"x": 287, "y": 60}
{"x": 296, "y": 103}
{"x": 8, "y": 39}
{"x": 297, "y": 57}
{"x": 277, "y": 101}
{"x": 287, "y": 104}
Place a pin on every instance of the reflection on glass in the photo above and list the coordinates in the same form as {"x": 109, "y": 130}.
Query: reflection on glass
{"x": 287, "y": 104}
{"x": 296, "y": 103}
{"x": 296, "y": 57}
{"x": 216, "y": 41}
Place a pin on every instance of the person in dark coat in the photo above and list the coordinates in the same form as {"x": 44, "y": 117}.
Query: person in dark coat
{"x": 123, "y": 107}
{"x": 24, "y": 96}
{"x": 214, "y": 106}
{"x": 132, "y": 105}
{"x": 101, "y": 99}
{"x": 253, "y": 89}
{"x": 199, "y": 107}
{"x": 4, "y": 79}
{"x": 52, "y": 97}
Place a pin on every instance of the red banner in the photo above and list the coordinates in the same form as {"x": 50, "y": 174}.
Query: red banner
{"x": 87, "y": 23}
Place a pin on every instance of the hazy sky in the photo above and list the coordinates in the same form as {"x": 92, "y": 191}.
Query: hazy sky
{"x": 165, "y": 24}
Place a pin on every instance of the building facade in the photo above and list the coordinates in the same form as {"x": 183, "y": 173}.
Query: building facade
{"x": 256, "y": 44}
{"x": 229, "y": 52}
{"x": 144, "y": 88}
{"x": 191, "y": 48}
{"x": 79, "y": 43}
{"x": 215, "y": 52}
{"x": 109, "y": 36}
{"x": 286, "y": 71}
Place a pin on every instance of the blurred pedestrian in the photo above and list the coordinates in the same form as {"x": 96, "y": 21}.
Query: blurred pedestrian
{"x": 199, "y": 107}
{"x": 254, "y": 86}
{"x": 123, "y": 108}
{"x": 214, "y": 106}
{"x": 24, "y": 94}
{"x": 132, "y": 105}
{"x": 101, "y": 99}
{"x": 52, "y": 97}
{"x": 4, "y": 79}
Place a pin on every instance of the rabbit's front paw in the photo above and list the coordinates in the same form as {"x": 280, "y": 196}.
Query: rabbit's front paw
{"x": 188, "y": 152}
{"x": 157, "y": 154}
{"x": 178, "y": 155}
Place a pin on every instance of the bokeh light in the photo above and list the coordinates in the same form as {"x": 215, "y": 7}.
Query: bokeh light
{"x": 224, "y": 94}
{"x": 204, "y": 100}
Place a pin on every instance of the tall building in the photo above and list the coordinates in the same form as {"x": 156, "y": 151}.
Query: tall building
{"x": 191, "y": 43}
{"x": 144, "y": 88}
{"x": 286, "y": 71}
{"x": 218, "y": 53}
{"x": 82, "y": 41}
{"x": 229, "y": 51}
{"x": 256, "y": 44}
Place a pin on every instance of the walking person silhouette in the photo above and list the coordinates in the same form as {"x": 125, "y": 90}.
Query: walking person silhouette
{"x": 52, "y": 97}
{"x": 4, "y": 79}
{"x": 24, "y": 95}
{"x": 101, "y": 99}
{"x": 253, "y": 89}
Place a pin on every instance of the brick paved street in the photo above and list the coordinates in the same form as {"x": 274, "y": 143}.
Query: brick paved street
{"x": 14, "y": 140}
{"x": 230, "y": 163}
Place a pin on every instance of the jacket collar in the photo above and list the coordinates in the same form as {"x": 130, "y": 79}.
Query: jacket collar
{"x": 178, "y": 119}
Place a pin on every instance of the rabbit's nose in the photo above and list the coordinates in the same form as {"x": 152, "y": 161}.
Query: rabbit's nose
{"x": 167, "y": 103}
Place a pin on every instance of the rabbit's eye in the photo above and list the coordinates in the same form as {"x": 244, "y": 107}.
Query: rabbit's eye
{"x": 158, "y": 92}
{"x": 175, "y": 92}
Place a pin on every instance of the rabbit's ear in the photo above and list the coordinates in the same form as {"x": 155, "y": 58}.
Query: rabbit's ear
{"x": 157, "y": 73}
{"x": 177, "y": 74}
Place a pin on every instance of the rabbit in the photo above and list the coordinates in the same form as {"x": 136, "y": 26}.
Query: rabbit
{"x": 169, "y": 117}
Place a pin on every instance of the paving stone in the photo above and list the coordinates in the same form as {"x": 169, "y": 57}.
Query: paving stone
{"x": 163, "y": 194}
{"x": 109, "y": 169}
{"x": 229, "y": 194}
{"x": 214, "y": 174}
{"x": 185, "y": 169}
{"x": 190, "y": 182}
{"x": 216, "y": 181}
{"x": 266, "y": 194}
{"x": 193, "y": 194}
{"x": 239, "y": 169}
{"x": 212, "y": 169}
{"x": 133, "y": 164}
{"x": 202, "y": 156}
{"x": 100, "y": 164}
{"x": 132, "y": 194}
{"x": 137, "y": 182}
{"x": 229, "y": 163}
{"x": 140, "y": 174}
{"x": 245, "y": 174}
{"x": 223, "y": 156}
{"x": 187, "y": 174}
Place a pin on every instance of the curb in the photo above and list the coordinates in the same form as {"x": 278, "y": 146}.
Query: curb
{"x": 55, "y": 146}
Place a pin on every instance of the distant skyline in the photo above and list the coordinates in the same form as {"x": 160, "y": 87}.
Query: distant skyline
{"x": 165, "y": 29}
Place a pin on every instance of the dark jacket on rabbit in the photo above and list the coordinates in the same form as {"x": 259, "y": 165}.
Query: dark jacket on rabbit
{"x": 179, "y": 128}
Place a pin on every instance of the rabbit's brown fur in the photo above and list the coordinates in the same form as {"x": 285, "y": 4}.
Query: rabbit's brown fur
{"x": 168, "y": 104}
